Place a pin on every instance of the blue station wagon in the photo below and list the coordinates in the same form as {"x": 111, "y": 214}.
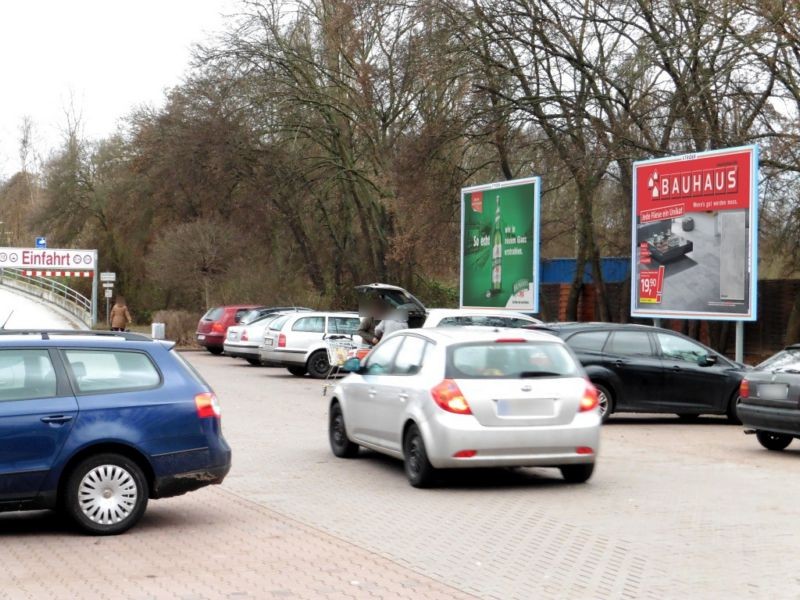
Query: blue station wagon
{"x": 98, "y": 423}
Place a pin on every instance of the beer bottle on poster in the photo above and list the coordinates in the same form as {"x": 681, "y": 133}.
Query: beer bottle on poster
{"x": 497, "y": 251}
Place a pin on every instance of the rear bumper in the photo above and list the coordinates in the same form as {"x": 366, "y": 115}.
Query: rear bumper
{"x": 283, "y": 358}
{"x": 549, "y": 445}
{"x": 180, "y": 483}
{"x": 210, "y": 339}
{"x": 769, "y": 418}
{"x": 238, "y": 351}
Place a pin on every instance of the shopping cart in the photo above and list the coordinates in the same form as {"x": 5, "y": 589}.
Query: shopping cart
{"x": 340, "y": 348}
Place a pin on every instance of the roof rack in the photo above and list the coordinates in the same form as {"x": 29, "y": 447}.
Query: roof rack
{"x": 46, "y": 333}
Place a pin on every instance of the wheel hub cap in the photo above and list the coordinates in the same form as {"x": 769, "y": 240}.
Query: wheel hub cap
{"x": 107, "y": 494}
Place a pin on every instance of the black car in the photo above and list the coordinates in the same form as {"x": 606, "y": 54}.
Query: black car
{"x": 637, "y": 368}
{"x": 770, "y": 399}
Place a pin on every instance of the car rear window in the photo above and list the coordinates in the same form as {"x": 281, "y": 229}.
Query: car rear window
{"x": 26, "y": 374}
{"x": 786, "y": 360}
{"x": 592, "y": 341}
{"x": 96, "y": 371}
{"x": 214, "y": 314}
{"x": 484, "y": 320}
{"x": 493, "y": 360}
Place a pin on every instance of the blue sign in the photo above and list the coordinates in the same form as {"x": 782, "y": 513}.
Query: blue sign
{"x": 41, "y": 242}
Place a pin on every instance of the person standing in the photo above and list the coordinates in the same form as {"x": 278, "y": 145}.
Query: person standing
{"x": 120, "y": 317}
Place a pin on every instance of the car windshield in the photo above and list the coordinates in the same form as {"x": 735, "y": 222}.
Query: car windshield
{"x": 786, "y": 360}
{"x": 515, "y": 360}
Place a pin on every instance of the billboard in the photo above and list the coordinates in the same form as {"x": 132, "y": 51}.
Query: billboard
{"x": 500, "y": 245}
{"x": 48, "y": 258}
{"x": 694, "y": 251}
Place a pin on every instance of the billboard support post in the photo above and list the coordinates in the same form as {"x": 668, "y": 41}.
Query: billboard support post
{"x": 739, "y": 356}
{"x": 500, "y": 245}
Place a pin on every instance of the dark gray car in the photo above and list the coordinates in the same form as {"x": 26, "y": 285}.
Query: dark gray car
{"x": 638, "y": 368}
{"x": 770, "y": 399}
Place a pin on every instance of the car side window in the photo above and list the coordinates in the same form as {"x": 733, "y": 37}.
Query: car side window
{"x": 111, "y": 370}
{"x": 410, "y": 357}
{"x": 677, "y": 348}
{"x": 629, "y": 343}
{"x": 381, "y": 358}
{"x": 310, "y": 325}
{"x": 240, "y": 313}
{"x": 26, "y": 375}
{"x": 592, "y": 341}
{"x": 344, "y": 325}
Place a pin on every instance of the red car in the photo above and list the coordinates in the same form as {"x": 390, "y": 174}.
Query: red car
{"x": 213, "y": 326}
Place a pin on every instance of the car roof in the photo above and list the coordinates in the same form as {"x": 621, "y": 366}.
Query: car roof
{"x": 597, "y": 325}
{"x": 321, "y": 313}
{"x": 492, "y": 312}
{"x": 78, "y": 339}
{"x": 472, "y": 333}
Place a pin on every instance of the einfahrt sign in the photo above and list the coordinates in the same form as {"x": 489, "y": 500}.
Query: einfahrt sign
{"x": 695, "y": 236}
{"x": 48, "y": 258}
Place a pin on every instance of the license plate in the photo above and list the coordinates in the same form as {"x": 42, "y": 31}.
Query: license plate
{"x": 526, "y": 407}
{"x": 232, "y": 337}
{"x": 773, "y": 391}
{"x": 201, "y": 337}
{"x": 267, "y": 342}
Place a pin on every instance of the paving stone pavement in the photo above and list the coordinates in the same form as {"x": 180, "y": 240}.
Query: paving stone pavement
{"x": 674, "y": 510}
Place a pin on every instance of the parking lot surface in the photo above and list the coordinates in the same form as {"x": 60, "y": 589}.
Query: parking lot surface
{"x": 674, "y": 510}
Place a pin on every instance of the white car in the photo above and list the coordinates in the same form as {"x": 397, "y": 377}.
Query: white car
{"x": 458, "y": 317}
{"x": 469, "y": 397}
{"x": 297, "y": 341}
{"x": 244, "y": 341}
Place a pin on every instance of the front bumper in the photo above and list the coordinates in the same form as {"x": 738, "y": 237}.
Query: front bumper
{"x": 769, "y": 418}
{"x": 547, "y": 445}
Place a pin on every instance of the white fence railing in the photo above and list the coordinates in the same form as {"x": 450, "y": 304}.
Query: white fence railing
{"x": 50, "y": 291}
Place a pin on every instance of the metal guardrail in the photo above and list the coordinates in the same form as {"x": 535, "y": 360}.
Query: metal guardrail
{"x": 50, "y": 291}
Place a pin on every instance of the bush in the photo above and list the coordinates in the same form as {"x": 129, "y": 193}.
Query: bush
{"x": 179, "y": 325}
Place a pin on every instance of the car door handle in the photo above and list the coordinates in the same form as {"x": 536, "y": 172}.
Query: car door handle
{"x": 57, "y": 419}
{"x": 676, "y": 368}
{"x": 372, "y": 393}
{"x": 619, "y": 363}
{"x": 403, "y": 396}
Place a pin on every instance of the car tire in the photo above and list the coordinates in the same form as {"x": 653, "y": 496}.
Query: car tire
{"x": 256, "y": 362}
{"x": 106, "y": 494}
{"x": 297, "y": 371}
{"x": 605, "y": 401}
{"x": 341, "y": 446}
{"x": 215, "y": 350}
{"x": 577, "y": 473}
{"x": 419, "y": 470}
{"x": 732, "y": 412}
{"x": 318, "y": 366}
{"x": 773, "y": 441}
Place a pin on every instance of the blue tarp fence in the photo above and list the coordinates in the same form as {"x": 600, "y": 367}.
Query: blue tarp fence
{"x": 562, "y": 270}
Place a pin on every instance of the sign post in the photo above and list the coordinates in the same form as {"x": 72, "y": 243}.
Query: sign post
{"x": 695, "y": 237}
{"x": 108, "y": 278}
{"x": 500, "y": 245}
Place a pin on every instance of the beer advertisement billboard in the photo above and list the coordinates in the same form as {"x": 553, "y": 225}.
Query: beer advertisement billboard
{"x": 500, "y": 245}
{"x": 695, "y": 236}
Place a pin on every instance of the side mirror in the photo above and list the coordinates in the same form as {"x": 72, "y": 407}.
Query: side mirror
{"x": 707, "y": 361}
{"x": 352, "y": 365}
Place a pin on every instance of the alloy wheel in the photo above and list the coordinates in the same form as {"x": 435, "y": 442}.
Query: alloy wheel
{"x": 107, "y": 494}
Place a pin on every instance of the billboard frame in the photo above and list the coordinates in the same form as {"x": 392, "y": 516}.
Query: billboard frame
{"x": 537, "y": 184}
{"x": 752, "y": 266}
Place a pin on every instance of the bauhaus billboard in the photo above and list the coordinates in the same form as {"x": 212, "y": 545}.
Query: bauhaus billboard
{"x": 500, "y": 245}
{"x": 695, "y": 236}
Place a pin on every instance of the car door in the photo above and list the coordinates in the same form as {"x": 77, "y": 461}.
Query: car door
{"x": 366, "y": 394}
{"x": 397, "y": 388}
{"x": 631, "y": 356}
{"x": 691, "y": 383}
{"x": 37, "y": 412}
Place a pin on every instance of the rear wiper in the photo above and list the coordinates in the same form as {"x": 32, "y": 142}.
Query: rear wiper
{"x": 529, "y": 374}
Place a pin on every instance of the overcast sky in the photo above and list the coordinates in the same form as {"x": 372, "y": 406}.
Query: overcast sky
{"x": 109, "y": 56}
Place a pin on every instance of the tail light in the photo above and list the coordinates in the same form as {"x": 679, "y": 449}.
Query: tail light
{"x": 207, "y": 405}
{"x": 244, "y": 336}
{"x": 465, "y": 454}
{"x": 589, "y": 400}
{"x": 449, "y": 397}
{"x": 584, "y": 450}
{"x": 744, "y": 389}
{"x": 510, "y": 341}
{"x": 281, "y": 341}
{"x": 217, "y": 327}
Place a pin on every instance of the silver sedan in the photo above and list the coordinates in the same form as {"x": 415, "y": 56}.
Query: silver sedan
{"x": 469, "y": 397}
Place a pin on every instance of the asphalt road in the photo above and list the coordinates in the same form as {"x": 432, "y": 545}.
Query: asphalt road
{"x": 674, "y": 510}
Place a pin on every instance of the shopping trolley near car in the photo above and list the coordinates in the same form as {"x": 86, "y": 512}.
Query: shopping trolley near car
{"x": 340, "y": 348}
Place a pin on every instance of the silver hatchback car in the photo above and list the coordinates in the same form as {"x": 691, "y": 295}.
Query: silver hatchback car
{"x": 469, "y": 397}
